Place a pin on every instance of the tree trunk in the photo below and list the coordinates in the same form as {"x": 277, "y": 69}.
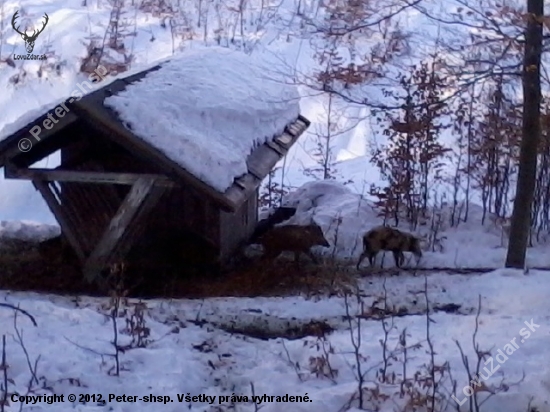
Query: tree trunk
{"x": 521, "y": 215}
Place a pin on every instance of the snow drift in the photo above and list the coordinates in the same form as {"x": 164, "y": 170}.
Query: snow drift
{"x": 343, "y": 215}
{"x": 29, "y": 231}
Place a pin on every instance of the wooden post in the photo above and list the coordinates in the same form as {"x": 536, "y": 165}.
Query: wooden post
{"x": 66, "y": 228}
{"x": 115, "y": 241}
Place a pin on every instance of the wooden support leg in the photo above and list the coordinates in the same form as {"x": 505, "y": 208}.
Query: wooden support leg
{"x": 67, "y": 229}
{"x": 117, "y": 238}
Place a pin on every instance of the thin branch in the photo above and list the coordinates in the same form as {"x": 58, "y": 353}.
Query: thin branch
{"x": 19, "y": 340}
{"x": 345, "y": 31}
{"x": 4, "y": 368}
{"x": 24, "y": 312}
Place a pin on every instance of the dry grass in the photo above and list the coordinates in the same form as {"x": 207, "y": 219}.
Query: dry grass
{"x": 23, "y": 268}
{"x": 318, "y": 329}
{"x": 281, "y": 278}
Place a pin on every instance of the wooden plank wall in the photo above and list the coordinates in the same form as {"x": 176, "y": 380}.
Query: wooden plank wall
{"x": 88, "y": 206}
{"x": 237, "y": 227}
{"x": 182, "y": 209}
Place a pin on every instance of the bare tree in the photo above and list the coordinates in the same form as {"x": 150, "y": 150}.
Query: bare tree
{"x": 525, "y": 189}
{"x": 334, "y": 121}
{"x": 347, "y": 26}
{"x": 411, "y": 160}
{"x": 541, "y": 201}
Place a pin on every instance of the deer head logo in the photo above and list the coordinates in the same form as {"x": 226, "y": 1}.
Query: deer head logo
{"x": 29, "y": 40}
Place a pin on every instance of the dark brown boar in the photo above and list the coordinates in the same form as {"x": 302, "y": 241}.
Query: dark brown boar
{"x": 55, "y": 248}
{"x": 292, "y": 238}
{"x": 389, "y": 239}
{"x": 278, "y": 216}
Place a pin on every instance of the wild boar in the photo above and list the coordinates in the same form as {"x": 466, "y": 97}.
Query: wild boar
{"x": 55, "y": 249}
{"x": 390, "y": 239}
{"x": 278, "y": 216}
{"x": 292, "y": 238}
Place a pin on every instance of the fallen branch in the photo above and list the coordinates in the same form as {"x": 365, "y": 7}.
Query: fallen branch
{"x": 24, "y": 312}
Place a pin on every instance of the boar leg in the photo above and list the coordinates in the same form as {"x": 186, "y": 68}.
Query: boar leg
{"x": 396, "y": 257}
{"x": 363, "y": 256}
{"x": 297, "y": 259}
{"x": 372, "y": 258}
{"x": 270, "y": 255}
{"x": 399, "y": 258}
{"x": 311, "y": 256}
{"x": 402, "y": 258}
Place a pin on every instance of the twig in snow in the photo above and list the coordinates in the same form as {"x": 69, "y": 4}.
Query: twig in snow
{"x": 19, "y": 340}
{"x": 356, "y": 343}
{"x": 386, "y": 355}
{"x": 430, "y": 345}
{"x": 95, "y": 352}
{"x": 295, "y": 365}
{"x": 256, "y": 406}
{"x": 18, "y": 309}
{"x": 4, "y": 368}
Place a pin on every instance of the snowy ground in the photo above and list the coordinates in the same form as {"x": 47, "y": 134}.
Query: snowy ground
{"x": 191, "y": 354}
{"x": 211, "y": 347}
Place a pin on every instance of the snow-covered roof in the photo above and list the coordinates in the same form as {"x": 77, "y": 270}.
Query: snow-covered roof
{"x": 27, "y": 118}
{"x": 207, "y": 109}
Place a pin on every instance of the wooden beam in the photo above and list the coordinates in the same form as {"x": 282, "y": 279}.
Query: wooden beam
{"x": 261, "y": 161}
{"x": 285, "y": 140}
{"x": 66, "y": 228}
{"x": 238, "y": 193}
{"x": 240, "y": 181}
{"x": 276, "y": 148}
{"x": 54, "y": 175}
{"x": 305, "y": 121}
{"x": 115, "y": 242}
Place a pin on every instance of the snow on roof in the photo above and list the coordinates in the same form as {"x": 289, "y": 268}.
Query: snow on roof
{"x": 27, "y": 118}
{"x": 207, "y": 109}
